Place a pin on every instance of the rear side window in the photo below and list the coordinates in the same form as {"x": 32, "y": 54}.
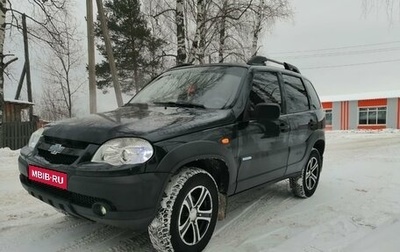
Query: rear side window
{"x": 297, "y": 98}
{"x": 314, "y": 99}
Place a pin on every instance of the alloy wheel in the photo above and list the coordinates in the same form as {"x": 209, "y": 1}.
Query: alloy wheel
{"x": 195, "y": 215}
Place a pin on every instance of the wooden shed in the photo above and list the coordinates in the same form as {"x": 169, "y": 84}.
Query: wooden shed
{"x": 18, "y": 124}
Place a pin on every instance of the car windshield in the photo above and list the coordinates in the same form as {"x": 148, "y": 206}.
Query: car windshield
{"x": 199, "y": 87}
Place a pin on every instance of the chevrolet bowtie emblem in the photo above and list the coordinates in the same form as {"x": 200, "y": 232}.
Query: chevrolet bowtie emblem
{"x": 56, "y": 149}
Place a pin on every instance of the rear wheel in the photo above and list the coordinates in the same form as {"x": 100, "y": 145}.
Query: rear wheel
{"x": 305, "y": 185}
{"x": 188, "y": 213}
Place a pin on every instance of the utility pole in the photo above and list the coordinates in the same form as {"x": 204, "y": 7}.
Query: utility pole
{"x": 110, "y": 54}
{"x": 91, "y": 59}
{"x": 27, "y": 65}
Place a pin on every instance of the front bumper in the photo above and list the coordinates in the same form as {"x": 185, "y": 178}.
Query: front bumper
{"x": 132, "y": 200}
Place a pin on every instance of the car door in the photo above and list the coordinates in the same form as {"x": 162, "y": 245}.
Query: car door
{"x": 263, "y": 148}
{"x": 302, "y": 120}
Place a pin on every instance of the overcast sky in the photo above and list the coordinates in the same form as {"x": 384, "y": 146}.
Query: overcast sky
{"x": 341, "y": 50}
{"x": 369, "y": 58}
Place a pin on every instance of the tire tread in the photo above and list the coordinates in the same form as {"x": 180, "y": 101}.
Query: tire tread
{"x": 159, "y": 228}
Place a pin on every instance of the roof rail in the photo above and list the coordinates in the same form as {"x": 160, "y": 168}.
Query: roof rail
{"x": 261, "y": 60}
{"x": 181, "y": 65}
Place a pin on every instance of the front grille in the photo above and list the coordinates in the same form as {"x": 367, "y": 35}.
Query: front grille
{"x": 74, "y": 198}
{"x": 57, "y": 159}
{"x": 70, "y": 151}
{"x": 66, "y": 142}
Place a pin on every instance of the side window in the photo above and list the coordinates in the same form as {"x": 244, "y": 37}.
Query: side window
{"x": 265, "y": 89}
{"x": 297, "y": 99}
{"x": 314, "y": 99}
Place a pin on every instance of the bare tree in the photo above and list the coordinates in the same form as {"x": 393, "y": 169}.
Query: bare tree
{"x": 180, "y": 32}
{"x": 52, "y": 105}
{"x": 198, "y": 43}
{"x": 61, "y": 69}
{"x": 391, "y": 7}
{"x": 47, "y": 8}
{"x": 218, "y": 29}
{"x": 266, "y": 12}
{"x": 229, "y": 16}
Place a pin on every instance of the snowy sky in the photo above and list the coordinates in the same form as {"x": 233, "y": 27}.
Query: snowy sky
{"x": 367, "y": 60}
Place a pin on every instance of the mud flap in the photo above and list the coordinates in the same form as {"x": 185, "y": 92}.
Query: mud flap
{"x": 222, "y": 205}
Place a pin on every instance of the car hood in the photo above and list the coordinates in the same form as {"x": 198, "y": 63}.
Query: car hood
{"x": 152, "y": 123}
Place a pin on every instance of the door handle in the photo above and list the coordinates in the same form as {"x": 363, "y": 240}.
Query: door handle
{"x": 284, "y": 127}
{"x": 312, "y": 125}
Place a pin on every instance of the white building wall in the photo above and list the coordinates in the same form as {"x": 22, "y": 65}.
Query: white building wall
{"x": 353, "y": 114}
{"x": 336, "y": 114}
{"x": 392, "y": 113}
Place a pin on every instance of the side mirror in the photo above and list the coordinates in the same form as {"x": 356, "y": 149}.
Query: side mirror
{"x": 267, "y": 111}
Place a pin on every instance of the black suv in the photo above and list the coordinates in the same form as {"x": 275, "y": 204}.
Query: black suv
{"x": 169, "y": 158}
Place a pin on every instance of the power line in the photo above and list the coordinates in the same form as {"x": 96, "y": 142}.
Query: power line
{"x": 345, "y": 53}
{"x": 355, "y": 64}
{"x": 334, "y": 48}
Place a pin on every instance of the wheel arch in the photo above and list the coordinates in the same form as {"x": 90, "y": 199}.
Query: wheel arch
{"x": 320, "y": 146}
{"x": 217, "y": 168}
{"x": 211, "y": 156}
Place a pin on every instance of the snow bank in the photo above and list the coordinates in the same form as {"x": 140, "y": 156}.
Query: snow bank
{"x": 7, "y": 152}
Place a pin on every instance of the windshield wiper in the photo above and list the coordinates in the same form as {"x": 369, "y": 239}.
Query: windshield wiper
{"x": 180, "y": 104}
{"x": 140, "y": 105}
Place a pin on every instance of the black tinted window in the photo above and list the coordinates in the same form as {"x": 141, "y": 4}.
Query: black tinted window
{"x": 265, "y": 88}
{"x": 297, "y": 99}
{"x": 314, "y": 99}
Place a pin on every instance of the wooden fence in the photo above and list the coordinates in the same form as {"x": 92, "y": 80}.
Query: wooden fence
{"x": 16, "y": 134}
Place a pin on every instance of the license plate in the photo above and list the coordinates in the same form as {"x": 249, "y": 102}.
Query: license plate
{"x": 48, "y": 177}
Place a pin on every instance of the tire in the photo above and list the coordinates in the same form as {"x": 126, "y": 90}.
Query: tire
{"x": 305, "y": 185}
{"x": 188, "y": 213}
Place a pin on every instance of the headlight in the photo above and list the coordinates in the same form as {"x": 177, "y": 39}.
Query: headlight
{"x": 33, "y": 140}
{"x": 121, "y": 151}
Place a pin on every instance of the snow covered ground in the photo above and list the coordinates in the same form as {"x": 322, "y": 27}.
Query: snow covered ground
{"x": 355, "y": 208}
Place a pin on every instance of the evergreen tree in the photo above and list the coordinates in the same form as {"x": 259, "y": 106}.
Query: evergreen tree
{"x": 137, "y": 52}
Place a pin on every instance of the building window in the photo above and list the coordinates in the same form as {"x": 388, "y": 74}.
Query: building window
{"x": 328, "y": 116}
{"x": 371, "y": 116}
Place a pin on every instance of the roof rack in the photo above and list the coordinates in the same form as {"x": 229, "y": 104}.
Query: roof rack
{"x": 261, "y": 61}
{"x": 181, "y": 65}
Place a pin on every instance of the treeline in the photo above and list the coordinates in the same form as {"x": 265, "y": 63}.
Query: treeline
{"x": 150, "y": 36}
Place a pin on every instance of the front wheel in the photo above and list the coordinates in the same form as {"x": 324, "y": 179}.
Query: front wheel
{"x": 305, "y": 185}
{"x": 188, "y": 213}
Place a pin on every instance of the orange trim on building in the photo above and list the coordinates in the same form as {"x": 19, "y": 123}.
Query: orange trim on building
{"x": 344, "y": 115}
{"x": 372, "y": 103}
{"x": 372, "y": 127}
{"x": 327, "y": 105}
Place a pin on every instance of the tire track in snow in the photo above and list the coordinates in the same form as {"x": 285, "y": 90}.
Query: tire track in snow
{"x": 39, "y": 218}
{"x": 68, "y": 224}
{"x": 100, "y": 234}
{"x": 273, "y": 198}
{"x": 137, "y": 242}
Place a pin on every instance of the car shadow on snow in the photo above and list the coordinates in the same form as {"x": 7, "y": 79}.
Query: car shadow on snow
{"x": 106, "y": 238}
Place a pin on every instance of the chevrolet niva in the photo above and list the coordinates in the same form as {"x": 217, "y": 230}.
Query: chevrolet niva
{"x": 168, "y": 159}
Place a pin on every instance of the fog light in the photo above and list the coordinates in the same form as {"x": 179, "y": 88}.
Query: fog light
{"x": 100, "y": 208}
